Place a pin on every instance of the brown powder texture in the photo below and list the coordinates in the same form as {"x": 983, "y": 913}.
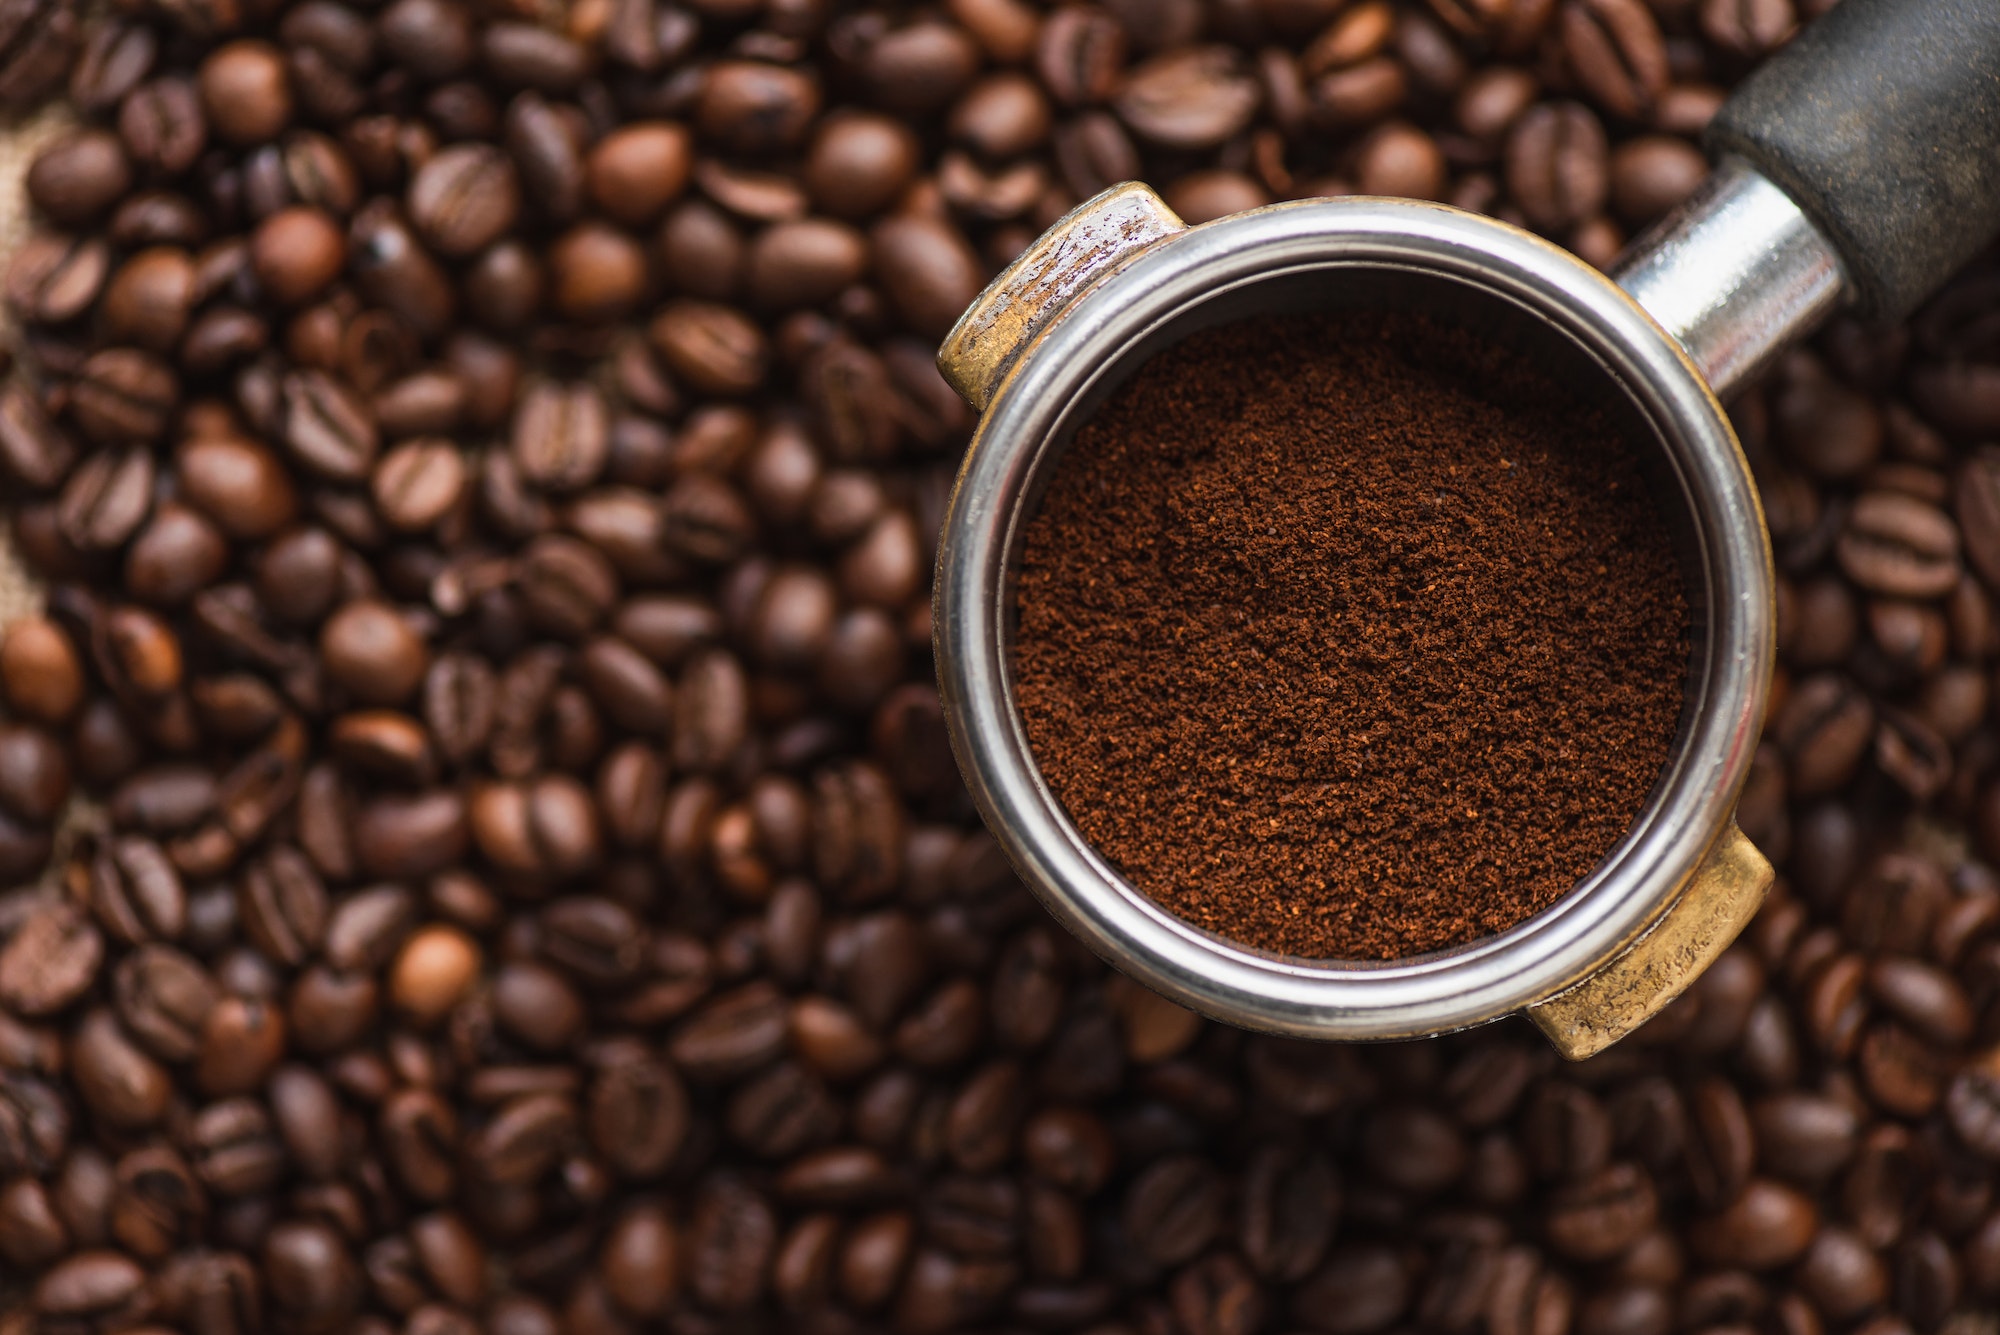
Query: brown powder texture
{"x": 1350, "y": 637}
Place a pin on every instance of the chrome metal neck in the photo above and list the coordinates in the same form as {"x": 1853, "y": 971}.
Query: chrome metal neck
{"x": 1736, "y": 275}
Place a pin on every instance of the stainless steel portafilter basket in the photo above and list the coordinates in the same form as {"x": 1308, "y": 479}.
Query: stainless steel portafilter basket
{"x": 1858, "y": 167}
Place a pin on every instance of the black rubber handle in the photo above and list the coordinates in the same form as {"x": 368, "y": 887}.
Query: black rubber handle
{"x": 1882, "y": 120}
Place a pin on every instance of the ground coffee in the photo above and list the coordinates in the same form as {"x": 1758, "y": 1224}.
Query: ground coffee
{"x": 1353, "y": 637}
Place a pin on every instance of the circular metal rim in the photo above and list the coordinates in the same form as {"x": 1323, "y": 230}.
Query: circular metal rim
{"x": 1354, "y": 1000}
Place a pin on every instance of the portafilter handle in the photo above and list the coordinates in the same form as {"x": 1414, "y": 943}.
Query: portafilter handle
{"x": 1858, "y": 166}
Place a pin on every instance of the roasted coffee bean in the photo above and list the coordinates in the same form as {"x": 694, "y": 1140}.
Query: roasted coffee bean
{"x": 41, "y": 675}
{"x": 1290, "y": 1204}
{"x": 1769, "y": 1225}
{"x": 1824, "y": 729}
{"x": 430, "y": 38}
{"x": 858, "y": 163}
{"x": 1615, "y": 50}
{"x": 1650, "y": 175}
{"x": 34, "y": 773}
{"x": 32, "y": 1235}
{"x": 732, "y": 1035}
{"x": 175, "y": 556}
{"x": 410, "y": 836}
{"x": 245, "y": 91}
{"x": 539, "y": 832}
{"x": 221, "y": 338}
{"x": 49, "y": 960}
{"x": 32, "y": 448}
{"x": 327, "y": 427}
{"x": 638, "y": 1111}
{"x": 547, "y": 149}
{"x": 919, "y": 66}
{"x": 164, "y": 999}
{"x": 523, "y": 54}
{"x": 1194, "y": 98}
{"x": 242, "y": 1039}
{"x": 1173, "y": 1209}
{"x": 713, "y": 347}
{"x": 1721, "y": 1148}
{"x": 594, "y": 938}
{"x": 1557, "y": 164}
{"x": 373, "y": 652}
{"x": 41, "y": 38}
{"x": 596, "y": 273}
{"x": 426, "y": 403}
{"x": 1002, "y": 116}
{"x": 731, "y": 1237}
{"x": 394, "y": 270}
{"x": 1399, "y": 159}
{"x": 106, "y": 499}
{"x": 238, "y": 484}
{"x": 117, "y": 1081}
{"x": 1080, "y": 54}
{"x": 89, "y": 1285}
{"x": 1602, "y": 1217}
{"x": 561, "y": 436}
{"x": 1802, "y": 1136}
{"x": 1492, "y": 100}
{"x": 804, "y": 263}
{"x": 1747, "y": 27}
{"x": 163, "y": 126}
{"x": 464, "y": 198}
{"x": 296, "y": 252}
{"x": 57, "y": 278}
{"x": 1356, "y": 95}
{"x": 458, "y": 704}
{"x": 309, "y": 1275}
{"x": 786, "y": 1110}
{"x": 566, "y": 586}
{"x": 755, "y": 107}
{"x": 418, "y": 483}
{"x": 1362, "y": 1288}
{"x": 124, "y": 396}
{"x": 78, "y": 176}
{"x": 149, "y": 298}
{"x": 928, "y": 270}
{"x": 234, "y": 1150}
{"x": 135, "y": 891}
{"x": 1900, "y": 546}
{"x": 633, "y": 173}
{"x": 433, "y": 972}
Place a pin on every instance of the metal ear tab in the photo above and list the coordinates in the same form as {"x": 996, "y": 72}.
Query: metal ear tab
{"x": 1089, "y": 242}
{"x": 1719, "y": 903}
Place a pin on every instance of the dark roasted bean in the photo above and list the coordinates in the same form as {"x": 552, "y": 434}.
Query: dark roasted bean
{"x": 1615, "y": 51}
{"x": 1556, "y": 164}
{"x": 561, "y": 436}
{"x": 123, "y": 396}
{"x": 32, "y": 448}
{"x": 1194, "y": 98}
{"x": 50, "y": 958}
{"x": 78, "y": 176}
{"x": 1290, "y": 1204}
{"x": 464, "y": 199}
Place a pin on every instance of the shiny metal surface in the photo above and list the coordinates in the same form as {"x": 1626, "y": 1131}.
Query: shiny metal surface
{"x": 1736, "y": 274}
{"x": 1266, "y": 260}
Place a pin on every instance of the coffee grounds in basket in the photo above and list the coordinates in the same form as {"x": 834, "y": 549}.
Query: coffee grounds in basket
{"x": 1353, "y": 637}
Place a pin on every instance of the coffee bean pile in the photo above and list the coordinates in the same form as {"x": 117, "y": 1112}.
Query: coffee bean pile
{"x": 484, "y": 459}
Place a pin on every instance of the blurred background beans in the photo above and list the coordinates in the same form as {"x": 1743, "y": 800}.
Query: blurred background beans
{"x": 484, "y": 462}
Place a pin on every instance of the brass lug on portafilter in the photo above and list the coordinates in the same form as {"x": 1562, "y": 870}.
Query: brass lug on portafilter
{"x": 1588, "y": 1017}
{"x": 1087, "y": 243}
